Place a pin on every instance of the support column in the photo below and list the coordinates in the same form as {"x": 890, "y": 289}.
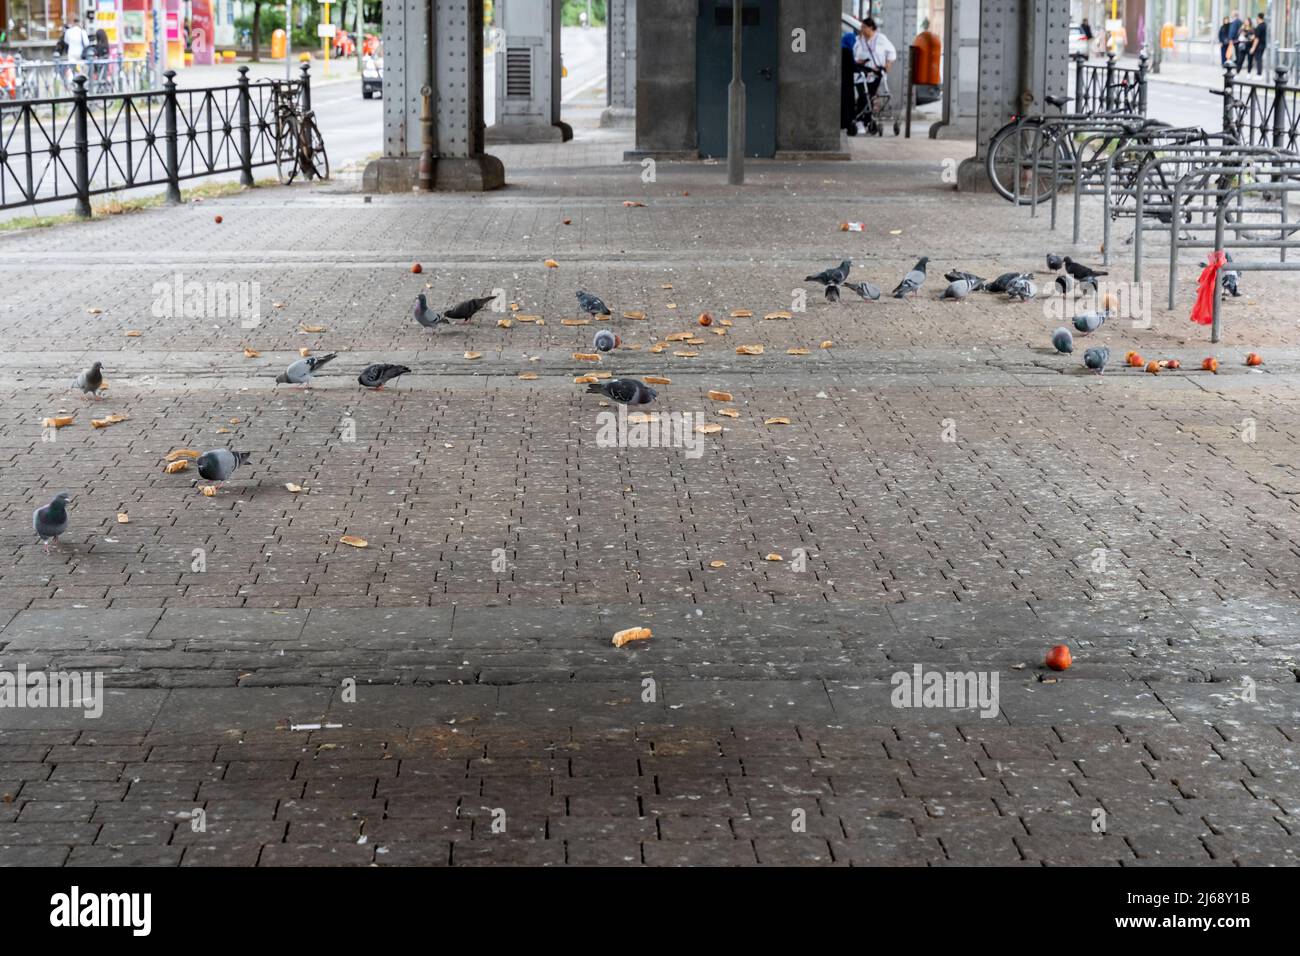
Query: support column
{"x": 897, "y": 21}
{"x": 1023, "y": 56}
{"x": 528, "y": 74}
{"x": 961, "y": 51}
{"x": 620, "y": 63}
{"x": 438, "y": 44}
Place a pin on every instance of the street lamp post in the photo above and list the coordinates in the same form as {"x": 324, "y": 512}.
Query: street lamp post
{"x": 736, "y": 104}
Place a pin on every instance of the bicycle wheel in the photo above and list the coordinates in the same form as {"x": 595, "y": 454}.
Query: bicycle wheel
{"x": 1001, "y": 161}
{"x": 286, "y": 149}
{"x": 319, "y": 158}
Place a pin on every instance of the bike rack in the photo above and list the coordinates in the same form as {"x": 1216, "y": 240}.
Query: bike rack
{"x": 1081, "y": 123}
{"x": 1281, "y": 244}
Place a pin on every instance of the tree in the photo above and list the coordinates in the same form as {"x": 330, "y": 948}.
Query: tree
{"x": 257, "y": 29}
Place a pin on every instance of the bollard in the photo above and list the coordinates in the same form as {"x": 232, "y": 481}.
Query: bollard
{"x": 1227, "y": 102}
{"x": 245, "y": 130}
{"x": 80, "y": 111}
{"x": 305, "y": 92}
{"x": 1279, "y": 106}
{"x": 1142, "y": 82}
{"x": 169, "y": 131}
{"x": 1079, "y": 60}
{"x": 1109, "y": 93}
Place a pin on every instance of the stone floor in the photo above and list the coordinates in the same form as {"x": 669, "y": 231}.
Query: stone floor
{"x": 949, "y": 494}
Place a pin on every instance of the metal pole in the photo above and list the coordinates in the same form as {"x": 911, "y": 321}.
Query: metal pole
{"x": 361, "y": 33}
{"x": 288, "y": 39}
{"x": 736, "y": 104}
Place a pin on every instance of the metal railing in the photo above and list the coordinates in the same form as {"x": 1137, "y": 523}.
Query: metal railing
{"x": 1109, "y": 88}
{"x": 22, "y": 80}
{"x": 85, "y": 145}
{"x": 1262, "y": 114}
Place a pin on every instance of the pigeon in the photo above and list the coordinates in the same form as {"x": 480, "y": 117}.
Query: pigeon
{"x": 52, "y": 520}
{"x": 380, "y": 374}
{"x": 427, "y": 318}
{"x": 835, "y": 276}
{"x": 1064, "y": 284}
{"x": 867, "y": 291}
{"x": 92, "y": 379}
{"x": 1096, "y": 358}
{"x": 1021, "y": 289}
{"x": 957, "y": 275}
{"x": 999, "y": 285}
{"x": 1087, "y": 285}
{"x": 911, "y": 283}
{"x": 465, "y": 310}
{"x": 301, "y": 371}
{"x": 591, "y": 304}
{"x": 1080, "y": 271}
{"x": 219, "y": 463}
{"x": 1054, "y": 262}
{"x": 606, "y": 341}
{"x": 1089, "y": 322}
{"x": 832, "y": 293}
{"x": 625, "y": 391}
{"x": 1063, "y": 340}
{"x": 958, "y": 290}
{"x": 1229, "y": 278}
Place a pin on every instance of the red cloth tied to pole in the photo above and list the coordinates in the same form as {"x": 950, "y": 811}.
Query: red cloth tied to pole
{"x": 1206, "y": 288}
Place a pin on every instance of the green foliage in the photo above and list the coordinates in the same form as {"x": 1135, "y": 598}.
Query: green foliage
{"x": 569, "y": 12}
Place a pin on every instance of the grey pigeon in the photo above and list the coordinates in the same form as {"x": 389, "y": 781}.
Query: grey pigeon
{"x": 957, "y": 274}
{"x": 865, "y": 290}
{"x": 1096, "y": 358}
{"x": 958, "y": 290}
{"x": 220, "y": 463}
{"x": 1230, "y": 279}
{"x": 591, "y": 304}
{"x": 380, "y": 374}
{"x": 1064, "y": 284}
{"x": 92, "y": 379}
{"x": 605, "y": 341}
{"x": 832, "y": 293}
{"x": 999, "y": 285}
{"x": 1087, "y": 285}
{"x": 429, "y": 319}
{"x": 51, "y": 520}
{"x": 837, "y": 275}
{"x": 301, "y": 371}
{"x": 625, "y": 391}
{"x": 1063, "y": 340}
{"x": 465, "y": 310}
{"x": 1054, "y": 262}
{"x": 911, "y": 283}
{"x": 1080, "y": 271}
{"x": 1089, "y": 322}
{"x": 1018, "y": 290}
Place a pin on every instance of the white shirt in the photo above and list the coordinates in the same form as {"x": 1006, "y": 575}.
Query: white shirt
{"x": 77, "y": 40}
{"x": 876, "y": 52}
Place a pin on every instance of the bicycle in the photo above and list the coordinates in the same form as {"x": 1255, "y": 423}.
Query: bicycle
{"x": 299, "y": 146}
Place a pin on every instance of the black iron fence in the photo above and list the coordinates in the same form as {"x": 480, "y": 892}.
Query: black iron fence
{"x": 1109, "y": 88}
{"x": 1262, "y": 114}
{"x": 84, "y": 145}
{"x": 22, "y": 79}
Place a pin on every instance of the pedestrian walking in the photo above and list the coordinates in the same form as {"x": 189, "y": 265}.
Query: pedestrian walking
{"x": 1260, "y": 44}
{"x": 1225, "y": 40}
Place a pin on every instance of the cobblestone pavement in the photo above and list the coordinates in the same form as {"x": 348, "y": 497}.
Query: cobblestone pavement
{"x": 949, "y": 494}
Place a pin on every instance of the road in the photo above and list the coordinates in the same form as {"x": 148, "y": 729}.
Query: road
{"x": 1184, "y": 105}
{"x": 353, "y": 126}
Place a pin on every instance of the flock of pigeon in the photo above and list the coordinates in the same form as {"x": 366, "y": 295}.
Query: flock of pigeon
{"x": 218, "y": 464}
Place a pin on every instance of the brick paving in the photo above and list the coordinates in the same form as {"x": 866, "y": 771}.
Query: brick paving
{"x": 490, "y": 694}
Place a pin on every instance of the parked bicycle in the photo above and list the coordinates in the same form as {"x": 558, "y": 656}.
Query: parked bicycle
{"x": 299, "y": 146}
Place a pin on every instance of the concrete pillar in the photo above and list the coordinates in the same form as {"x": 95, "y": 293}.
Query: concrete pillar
{"x": 1023, "y": 56}
{"x": 665, "y": 82}
{"x": 897, "y": 21}
{"x": 808, "y": 80}
{"x": 961, "y": 51}
{"x": 528, "y": 74}
{"x": 438, "y": 43}
{"x": 620, "y": 63}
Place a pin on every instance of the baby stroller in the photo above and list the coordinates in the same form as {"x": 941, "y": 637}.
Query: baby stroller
{"x": 873, "y": 111}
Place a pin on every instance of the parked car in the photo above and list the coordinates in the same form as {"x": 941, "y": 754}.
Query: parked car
{"x": 1078, "y": 42}
{"x": 372, "y": 73}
